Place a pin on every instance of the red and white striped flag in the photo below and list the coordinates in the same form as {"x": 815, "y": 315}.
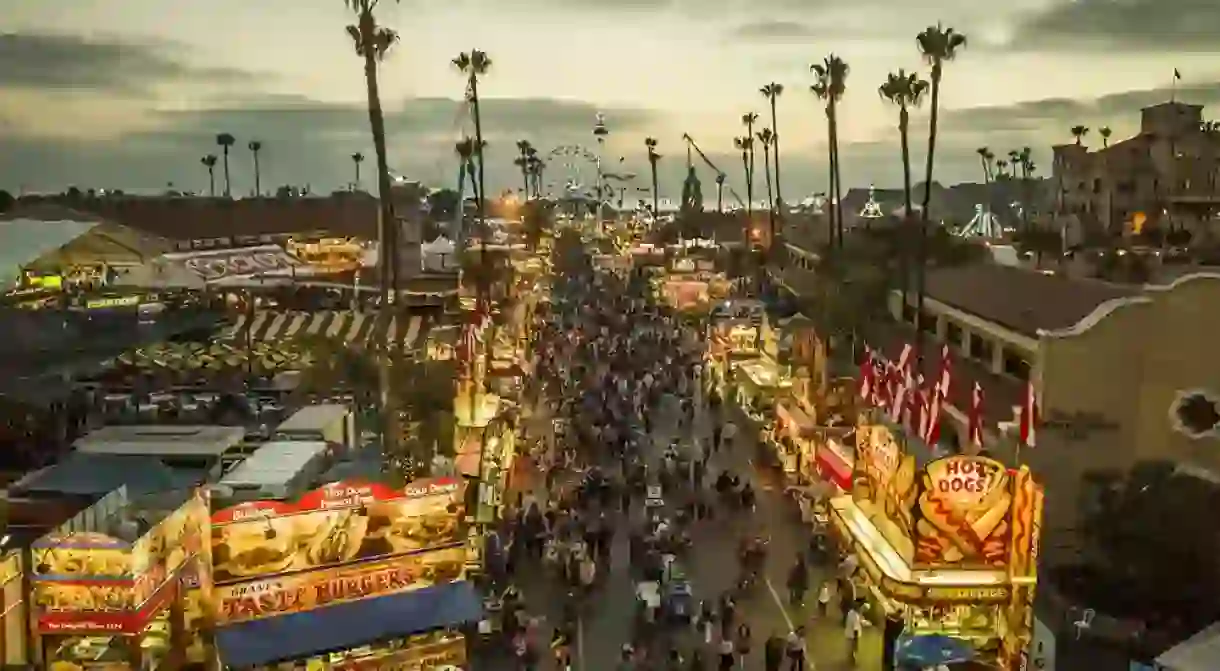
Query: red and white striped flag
{"x": 917, "y": 408}
{"x": 976, "y": 416}
{"x": 868, "y": 381}
{"x": 936, "y": 399}
{"x": 1029, "y": 417}
{"x": 901, "y": 384}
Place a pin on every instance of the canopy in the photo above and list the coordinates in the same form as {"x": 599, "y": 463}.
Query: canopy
{"x": 347, "y": 625}
{"x": 83, "y": 474}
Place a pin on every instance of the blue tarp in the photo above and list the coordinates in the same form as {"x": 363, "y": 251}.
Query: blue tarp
{"x": 348, "y": 625}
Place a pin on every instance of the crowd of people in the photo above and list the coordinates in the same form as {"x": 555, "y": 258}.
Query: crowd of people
{"x": 621, "y": 381}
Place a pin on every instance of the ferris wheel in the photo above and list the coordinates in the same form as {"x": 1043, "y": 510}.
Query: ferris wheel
{"x": 572, "y": 159}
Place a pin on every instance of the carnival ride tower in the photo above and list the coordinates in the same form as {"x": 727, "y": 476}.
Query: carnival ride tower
{"x": 871, "y": 211}
{"x": 983, "y": 225}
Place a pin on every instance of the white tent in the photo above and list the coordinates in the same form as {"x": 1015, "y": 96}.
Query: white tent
{"x": 440, "y": 255}
{"x": 1200, "y": 652}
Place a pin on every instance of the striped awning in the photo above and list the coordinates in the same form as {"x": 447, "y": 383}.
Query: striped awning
{"x": 408, "y": 330}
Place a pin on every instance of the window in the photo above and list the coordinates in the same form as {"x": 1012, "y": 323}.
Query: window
{"x": 980, "y": 348}
{"x": 1015, "y": 365}
{"x": 953, "y": 334}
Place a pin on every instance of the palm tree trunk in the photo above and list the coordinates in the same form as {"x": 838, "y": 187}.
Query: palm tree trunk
{"x": 921, "y": 275}
{"x": 525, "y": 179}
{"x": 212, "y": 182}
{"x": 357, "y": 164}
{"x": 258, "y": 178}
{"x": 228, "y": 190}
{"x": 656, "y": 195}
{"x": 838, "y": 177}
{"x": 904, "y": 127}
{"x": 770, "y": 198}
{"x": 831, "y": 202}
{"x": 478, "y": 146}
{"x": 388, "y": 239}
{"x": 387, "y": 229}
{"x": 459, "y": 229}
{"x": 485, "y": 288}
{"x": 779, "y": 198}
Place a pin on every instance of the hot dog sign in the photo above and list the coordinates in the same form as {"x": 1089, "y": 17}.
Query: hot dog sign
{"x": 963, "y": 513}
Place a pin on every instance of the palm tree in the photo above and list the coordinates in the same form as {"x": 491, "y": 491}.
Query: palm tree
{"x": 746, "y": 146}
{"x": 1001, "y": 168}
{"x": 831, "y": 84}
{"x": 748, "y": 120}
{"x": 256, "y": 146}
{"x": 766, "y": 137}
{"x": 372, "y": 42}
{"x": 985, "y": 157}
{"x": 522, "y": 162}
{"x": 1105, "y": 134}
{"x": 1079, "y": 132}
{"x": 209, "y": 162}
{"x": 534, "y": 167}
{"x": 474, "y": 64}
{"x": 225, "y": 141}
{"x": 650, "y": 144}
{"x": 906, "y": 90}
{"x": 464, "y": 150}
{"x": 771, "y": 92}
{"x": 357, "y": 159}
{"x": 938, "y": 45}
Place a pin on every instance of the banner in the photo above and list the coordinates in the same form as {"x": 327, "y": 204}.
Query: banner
{"x": 211, "y": 266}
{"x": 337, "y": 524}
{"x": 307, "y": 590}
{"x": 86, "y": 581}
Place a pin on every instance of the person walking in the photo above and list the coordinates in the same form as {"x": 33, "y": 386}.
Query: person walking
{"x": 796, "y": 649}
{"x": 773, "y": 653}
{"x": 824, "y": 598}
{"x": 852, "y": 629}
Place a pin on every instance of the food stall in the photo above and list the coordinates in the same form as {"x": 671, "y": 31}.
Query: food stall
{"x": 352, "y": 575}
{"x": 947, "y": 548}
{"x": 108, "y": 586}
{"x": 484, "y": 446}
{"x": 14, "y": 632}
{"x": 758, "y": 384}
{"x": 793, "y": 437}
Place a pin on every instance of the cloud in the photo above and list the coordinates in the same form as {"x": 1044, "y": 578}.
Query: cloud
{"x": 305, "y": 142}
{"x": 59, "y": 62}
{"x": 1153, "y": 25}
{"x": 772, "y": 30}
{"x": 1038, "y": 115}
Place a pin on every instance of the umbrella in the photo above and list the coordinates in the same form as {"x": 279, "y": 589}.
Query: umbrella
{"x": 932, "y": 649}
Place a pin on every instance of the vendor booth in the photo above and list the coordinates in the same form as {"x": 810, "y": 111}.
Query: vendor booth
{"x": 758, "y": 384}
{"x": 948, "y": 548}
{"x": 14, "y": 613}
{"x": 484, "y": 447}
{"x": 352, "y": 575}
{"x": 119, "y": 586}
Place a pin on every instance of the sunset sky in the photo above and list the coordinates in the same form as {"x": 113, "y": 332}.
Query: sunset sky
{"x": 131, "y": 93}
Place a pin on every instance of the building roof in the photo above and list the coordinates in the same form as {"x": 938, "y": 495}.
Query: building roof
{"x": 315, "y": 417}
{"x": 82, "y": 474}
{"x": 1024, "y": 301}
{"x": 274, "y": 463}
{"x": 161, "y": 440}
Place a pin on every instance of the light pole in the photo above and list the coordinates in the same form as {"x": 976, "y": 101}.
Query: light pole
{"x": 600, "y": 132}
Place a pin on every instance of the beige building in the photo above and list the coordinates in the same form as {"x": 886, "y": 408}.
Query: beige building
{"x": 1122, "y": 373}
{"x": 1165, "y": 174}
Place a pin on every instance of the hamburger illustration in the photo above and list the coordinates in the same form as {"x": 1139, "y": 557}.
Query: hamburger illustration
{"x": 248, "y": 549}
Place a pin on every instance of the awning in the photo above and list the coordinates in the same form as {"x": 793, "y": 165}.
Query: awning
{"x": 834, "y": 467}
{"x": 409, "y": 330}
{"x": 348, "y": 625}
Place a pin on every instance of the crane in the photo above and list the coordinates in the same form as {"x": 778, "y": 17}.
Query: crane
{"x": 720, "y": 174}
